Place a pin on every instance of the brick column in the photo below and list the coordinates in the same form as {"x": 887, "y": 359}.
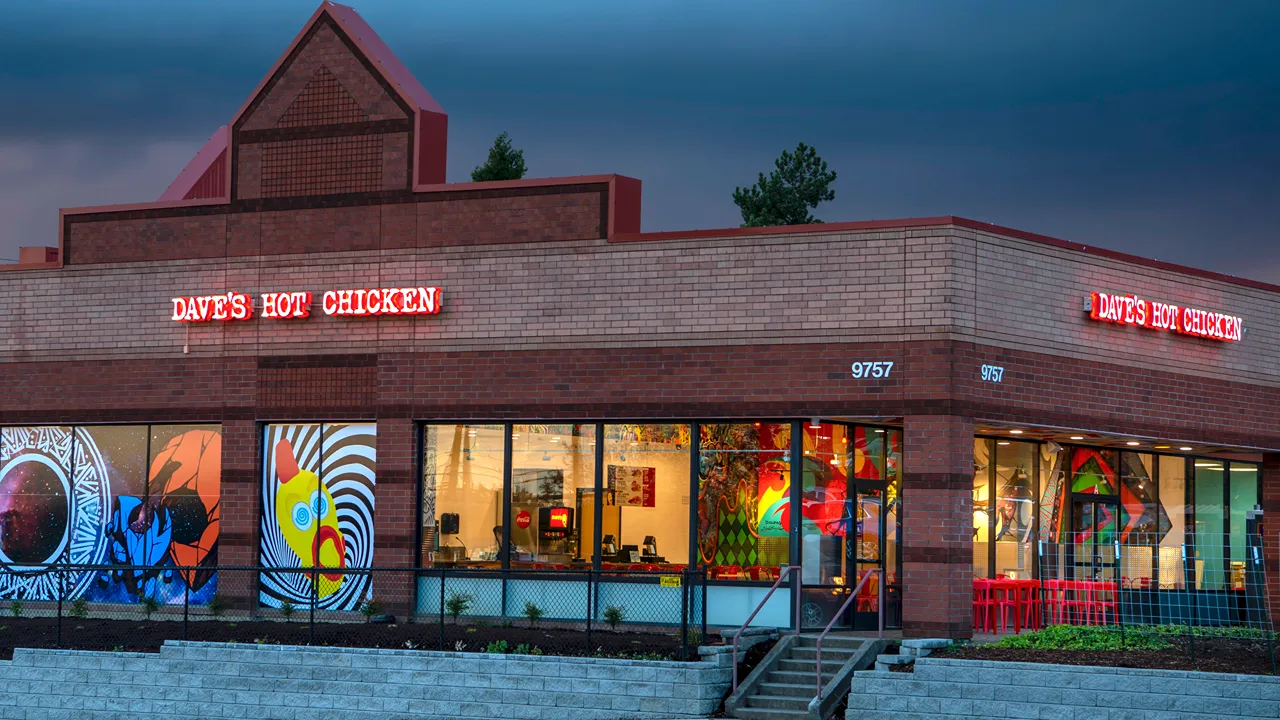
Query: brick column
{"x": 937, "y": 552}
{"x": 239, "y": 506}
{"x": 1271, "y": 530}
{"x": 394, "y": 528}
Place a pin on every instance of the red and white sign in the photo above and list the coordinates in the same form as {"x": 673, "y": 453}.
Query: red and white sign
{"x": 523, "y": 519}
{"x": 203, "y": 308}
{"x": 1132, "y": 310}
{"x": 294, "y": 305}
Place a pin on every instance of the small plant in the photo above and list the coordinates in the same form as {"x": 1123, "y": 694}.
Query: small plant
{"x": 532, "y": 612}
{"x": 217, "y": 605}
{"x": 694, "y": 637}
{"x": 261, "y": 641}
{"x": 1083, "y": 637}
{"x": 118, "y": 648}
{"x": 149, "y": 606}
{"x": 410, "y": 645}
{"x": 497, "y": 647}
{"x": 287, "y": 610}
{"x": 369, "y": 608}
{"x": 79, "y": 609}
{"x": 615, "y": 615}
{"x": 471, "y": 629}
{"x": 459, "y": 646}
{"x": 457, "y": 604}
{"x": 15, "y": 608}
{"x": 527, "y": 649}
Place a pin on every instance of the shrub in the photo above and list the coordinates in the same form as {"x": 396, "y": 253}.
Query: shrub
{"x": 694, "y": 636}
{"x": 527, "y": 649}
{"x": 498, "y": 647}
{"x": 15, "y": 608}
{"x": 457, "y": 604}
{"x": 1083, "y": 637}
{"x": 217, "y": 605}
{"x": 149, "y": 606}
{"x": 79, "y": 609}
{"x": 287, "y": 610}
{"x": 459, "y": 646}
{"x": 533, "y": 612}
{"x": 369, "y": 608}
{"x": 615, "y": 615}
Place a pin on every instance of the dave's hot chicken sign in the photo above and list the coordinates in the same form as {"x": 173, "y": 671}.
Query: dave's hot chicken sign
{"x": 292, "y": 305}
{"x": 1132, "y": 310}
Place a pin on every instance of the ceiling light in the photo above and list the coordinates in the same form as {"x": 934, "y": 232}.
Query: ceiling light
{"x": 1210, "y": 465}
{"x": 1161, "y": 447}
{"x": 835, "y": 461}
{"x": 1077, "y": 437}
{"x": 1015, "y": 432}
{"x": 1184, "y": 448}
{"x": 879, "y": 430}
{"x": 1132, "y": 443}
{"x": 1003, "y": 442}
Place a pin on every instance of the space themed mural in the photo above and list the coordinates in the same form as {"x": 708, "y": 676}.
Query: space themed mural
{"x": 317, "y": 514}
{"x": 127, "y": 511}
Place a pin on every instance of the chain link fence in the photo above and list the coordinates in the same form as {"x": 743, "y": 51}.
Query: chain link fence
{"x": 614, "y": 613}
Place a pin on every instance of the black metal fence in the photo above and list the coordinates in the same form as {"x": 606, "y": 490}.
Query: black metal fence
{"x": 614, "y": 613}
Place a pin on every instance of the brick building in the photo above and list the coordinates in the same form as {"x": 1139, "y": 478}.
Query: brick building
{"x": 952, "y": 391}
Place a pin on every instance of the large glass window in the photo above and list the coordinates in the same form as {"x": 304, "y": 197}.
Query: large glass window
{"x": 826, "y": 523}
{"x": 1244, "y": 496}
{"x": 1141, "y": 518}
{"x": 1173, "y": 503}
{"x": 1210, "y": 478}
{"x": 983, "y": 450}
{"x": 552, "y": 478}
{"x": 462, "y": 477}
{"x": 744, "y": 483}
{"x": 1014, "y": 512}
{"x": 645, "y": 504}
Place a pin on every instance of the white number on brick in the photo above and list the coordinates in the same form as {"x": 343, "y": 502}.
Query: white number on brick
{"x": 872, "y": 369}
{"x": 992, "y": 373}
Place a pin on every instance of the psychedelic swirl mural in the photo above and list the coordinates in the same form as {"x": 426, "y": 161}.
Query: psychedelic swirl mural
{"x": 141, "y": 502}
{"x": 317, "y": 512}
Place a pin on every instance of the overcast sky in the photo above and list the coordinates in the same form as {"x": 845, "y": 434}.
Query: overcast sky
{"x": 1150, "y": 126}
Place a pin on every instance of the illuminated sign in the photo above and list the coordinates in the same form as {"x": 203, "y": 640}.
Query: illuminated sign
{"x": 1131, "y": 310}
{"x": 555, "y": 522}
{"x": 294, "y": 305}
{"x": 558, "y": 519}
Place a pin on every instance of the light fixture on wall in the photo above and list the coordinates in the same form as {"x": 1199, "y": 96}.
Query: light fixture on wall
{"x": 815, "y": 423}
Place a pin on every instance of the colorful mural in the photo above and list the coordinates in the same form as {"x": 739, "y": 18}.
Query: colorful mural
{"x": 317, "y": 512}
{"x": 140, "y": 501}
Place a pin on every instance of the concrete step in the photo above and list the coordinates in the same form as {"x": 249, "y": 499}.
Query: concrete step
{"x": 793, "y": 677}
{"x": 884, "y": 662}
{"x": 778, "y": 702}
{"x": 828, "y": 666}
{"x": 811, "y": 654}
{"x": 787, "y": 689}
{"x": 830, "y": 641}
{"x": 750, "y": 713}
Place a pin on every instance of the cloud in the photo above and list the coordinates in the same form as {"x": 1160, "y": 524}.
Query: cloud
{"x": 39, "y": 177}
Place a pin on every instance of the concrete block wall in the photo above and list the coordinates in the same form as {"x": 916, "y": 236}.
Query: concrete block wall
{"x": 265, "y": 682}
{"x": 945, "y": 688}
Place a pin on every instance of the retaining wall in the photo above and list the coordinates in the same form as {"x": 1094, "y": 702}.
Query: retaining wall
{"x": 272, "y": 682}
{"x": 944, "y": 688}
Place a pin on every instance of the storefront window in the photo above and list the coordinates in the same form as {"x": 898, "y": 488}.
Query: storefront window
{"x": 893, "y": 498}
{"x": 1244, "y": 496}
{"x": 1053, "y": 499}
{"x": 1093, "y": 471}
{"x": 1173, "y": 503}
{"x": 744, "y": 482}
{"x": 1209, "y": 481}
{"x": 826, "y": 524}
{"x": 462, "y": 475}
{"x": 1013, "y": 520}
{"x": 645, "y": 505}
{"x": 1142, "y": 519}
{"x": 552, "y": 478}
{"x": 982, "y": 457}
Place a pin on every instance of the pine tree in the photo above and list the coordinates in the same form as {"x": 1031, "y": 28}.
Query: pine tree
{"x": 798, "y": 183}
{"x": 504, "y": 163}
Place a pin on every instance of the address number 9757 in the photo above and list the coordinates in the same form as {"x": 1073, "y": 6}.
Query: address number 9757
{"x": 872, "y": 369}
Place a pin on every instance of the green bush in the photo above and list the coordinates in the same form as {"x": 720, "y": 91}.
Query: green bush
{"x": 527, "y": 649}
{"x": 457, "y": 603}
{"x": 217, "y": 605}
{"x": 287, "y": 610}
{"x": 533, "y": 612}
{"x": 615, "y": 615}
{"x": 1083, "y": 637}
{"x": 79, "y": 609}
{"x": 15, "y": 608}
{"x": 149, "y": 606}
{"x": 498, "y": 647}
{"x": 369, "y": 608}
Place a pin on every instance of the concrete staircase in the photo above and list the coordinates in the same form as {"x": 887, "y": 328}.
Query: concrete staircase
{"x": 783, "y": 686}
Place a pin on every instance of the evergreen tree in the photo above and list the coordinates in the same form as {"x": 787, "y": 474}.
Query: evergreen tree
{"x": 504, "y": 163}
{"x": 798, "y": 183}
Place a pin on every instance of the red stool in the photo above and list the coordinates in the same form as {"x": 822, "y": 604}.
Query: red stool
{"x": 984, "y": 607}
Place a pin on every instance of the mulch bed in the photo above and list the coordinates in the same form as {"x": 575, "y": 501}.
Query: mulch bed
{"x": 144, "y": 636}
{"x": 1227, "y": 655}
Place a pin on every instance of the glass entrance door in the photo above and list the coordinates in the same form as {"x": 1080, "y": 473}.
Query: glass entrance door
{"x": 867, "y": 550}
{"x": 1093, "y": 535}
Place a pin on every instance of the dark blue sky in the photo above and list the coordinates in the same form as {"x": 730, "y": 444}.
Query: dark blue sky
{"x": 1146, "y": 126}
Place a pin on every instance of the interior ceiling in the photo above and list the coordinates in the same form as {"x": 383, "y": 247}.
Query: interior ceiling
{"x": 1138, "y": 443}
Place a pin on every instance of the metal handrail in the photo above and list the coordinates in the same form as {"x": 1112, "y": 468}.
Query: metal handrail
{"x": 781, "y": 576}
{"x": 845, "y": 606}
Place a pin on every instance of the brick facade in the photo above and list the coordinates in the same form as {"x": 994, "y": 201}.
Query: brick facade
{"x": 551, "y": 312}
